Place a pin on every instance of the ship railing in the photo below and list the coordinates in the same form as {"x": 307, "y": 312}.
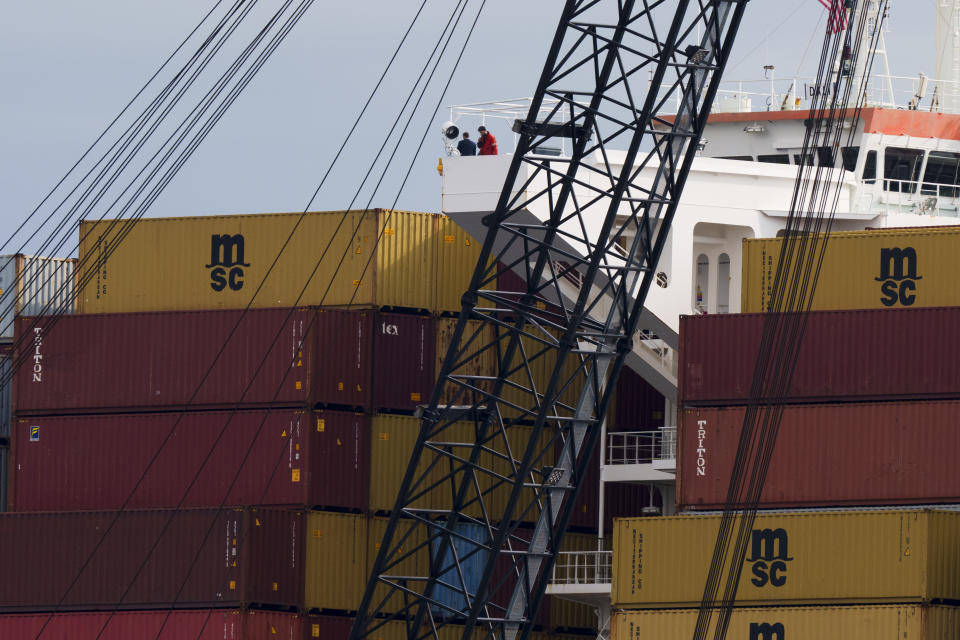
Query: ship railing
{"x": 914, "y": 196}
{"x": 583, "y": 567}
{"x": 641, "y": 447}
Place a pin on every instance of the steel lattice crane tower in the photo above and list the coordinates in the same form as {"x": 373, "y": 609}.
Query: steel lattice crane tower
{"x": 496, "y": 451}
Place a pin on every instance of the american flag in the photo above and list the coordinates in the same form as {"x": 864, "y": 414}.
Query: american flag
{"x": 838, "y": 16}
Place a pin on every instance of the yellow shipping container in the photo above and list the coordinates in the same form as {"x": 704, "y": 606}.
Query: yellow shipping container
{"x": 852, "y": 557}
{"x": 337, "y": 560}
{"x": 884, "y": 622}
{"x": 482, "y": 364}
{"x": 392, "y": 440}
{"x": 217, "y": 262}
{"x": 457, "y": 256}
{"x": 877, "y": 269}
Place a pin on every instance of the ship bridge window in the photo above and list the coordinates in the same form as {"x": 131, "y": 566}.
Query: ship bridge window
{"x": 850, "y": 157}
{"x": 870, "y": 168}
{"x": 943, "y": 168}
{"x": 825, "y": 156}
{"x": 777, "y": 158}
{"x": 745, "y": 158}
{"x": 901, "y": 169}
{"x": 806, "y": 159}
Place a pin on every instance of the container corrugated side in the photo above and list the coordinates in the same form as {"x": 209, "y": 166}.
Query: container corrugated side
{"x": 344, "y": 345}
{"x": 883, "y": 622}
{"x": 406, "y": 260}
{"x": 397, "y": 630}
{"x": 211, "y": 624}
{"x": 464, "y": 571}
{"x": 4, "y": 477}
{"x": 845, "y": 356}
{"x": 6, "y": 395}
{"x": 217, "y": 262}
{"x": 457, "y": 257}
{"x": 483, "y": 363}
{"x": 99, "y": 363}
{"x": 283, "y": 457}
{"x": 832, "y": 557}
{"x": 828, "y": 455}
{"x": 250, "y": 557}
{"x": 875, "y": 269}
{"x": 416, "y": 564}
{"x": 327, "y": 627}
{"x": 33, "y": 285}
{"x": 392, "y": 439}
{"x": 337, "y": 561}
{"x": 637, "y": 406}
{"x": 403, "y": 361}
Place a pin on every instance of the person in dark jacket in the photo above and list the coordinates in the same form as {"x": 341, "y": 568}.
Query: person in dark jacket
{"x": 466, "y": 147}
{"x": 486, "y": 142}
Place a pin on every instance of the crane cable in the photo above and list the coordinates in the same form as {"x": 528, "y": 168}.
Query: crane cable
{"x": 424, "y": 136}
{"x": 783, "y": 324}
{"x": 209, "y": 47}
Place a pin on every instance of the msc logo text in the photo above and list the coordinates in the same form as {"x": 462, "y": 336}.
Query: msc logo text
{"x": 769, "y": 557}
{"x": 226, "y": 262}
{"x": 898, "y": 276}
{"x": 767, "y": 631}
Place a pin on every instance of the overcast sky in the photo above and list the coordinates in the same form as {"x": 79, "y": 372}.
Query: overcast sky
{"x": 67, "y": 67}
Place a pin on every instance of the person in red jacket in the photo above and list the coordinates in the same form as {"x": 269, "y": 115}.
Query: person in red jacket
{"x": 486, "y": 143}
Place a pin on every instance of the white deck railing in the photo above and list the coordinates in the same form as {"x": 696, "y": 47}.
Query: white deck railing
{"x": 583, "y": 567}
{"x": 642, "y": 447}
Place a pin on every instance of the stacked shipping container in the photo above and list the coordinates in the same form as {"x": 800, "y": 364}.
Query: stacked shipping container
{"x": 29, "y": 285}
{"x": 163, "y": 394}
{"x": 867, "y": 420}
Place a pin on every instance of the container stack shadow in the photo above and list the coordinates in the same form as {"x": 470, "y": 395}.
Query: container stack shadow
{"x": 178, "y": 463}
{"x": 858, "y": 528}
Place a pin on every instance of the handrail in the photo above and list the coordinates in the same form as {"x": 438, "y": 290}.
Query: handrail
{"x": 583, "y": 567}
{"x": 641, "y": 447}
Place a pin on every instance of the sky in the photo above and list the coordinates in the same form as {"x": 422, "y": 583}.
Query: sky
{"x": 67, "y": 68}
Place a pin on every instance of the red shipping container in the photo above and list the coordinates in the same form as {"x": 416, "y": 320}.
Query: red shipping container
{"x": 404, "y": 358}
{"x": 118, "y": 362}
{"x": 211, "y": 624}
{"x": 859, "y": 356}
{"x": 283, "y": 457}
{"x": 344, "y": 358}
{"x": 204, "y": 558}
{"x": 828, "y": 455}
{"x": 637, "y": 405}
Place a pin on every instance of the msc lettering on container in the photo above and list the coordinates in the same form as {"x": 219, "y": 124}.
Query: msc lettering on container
{"x": 767, "y": 631}
{"x": 226, "y": 262}
{"x": 898, "y": 276}
{"x": 769, "y": 557}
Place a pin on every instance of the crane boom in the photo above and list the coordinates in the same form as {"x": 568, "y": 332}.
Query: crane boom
{"x": 497, "y": 453}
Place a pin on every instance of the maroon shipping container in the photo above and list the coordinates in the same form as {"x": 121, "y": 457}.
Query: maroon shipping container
{"x": 864, "y": 355}
{"x": 404, "y": 359}
{"x": 210, "y": 557}
{"x": 829, "y": 455}
{"x": 638, "y": 406}
{"x": 327, "y": 627}
{"x": 209, "y": 624}
{"x": 283, "y": 457}
{"x": 621, "y": 500}
{"x": 143, "y": 361}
